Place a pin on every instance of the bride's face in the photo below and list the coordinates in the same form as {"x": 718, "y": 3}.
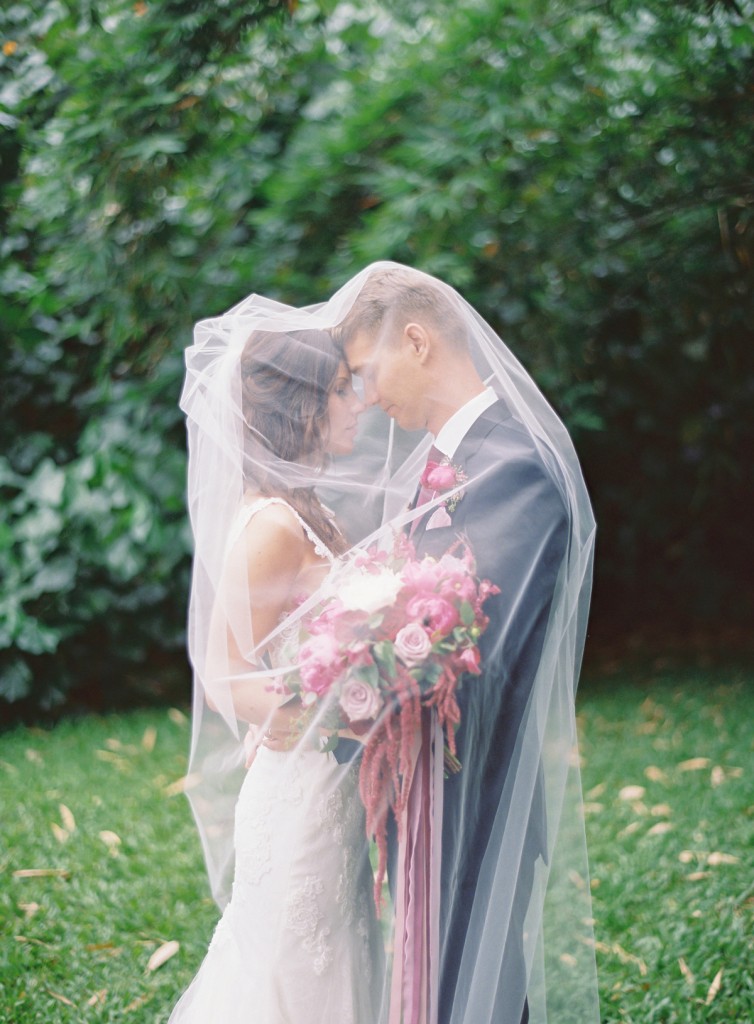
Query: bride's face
{"x": 343, "y": 409}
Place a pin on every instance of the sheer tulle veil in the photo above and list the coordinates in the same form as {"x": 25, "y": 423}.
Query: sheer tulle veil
{"x": 531, "y": 876}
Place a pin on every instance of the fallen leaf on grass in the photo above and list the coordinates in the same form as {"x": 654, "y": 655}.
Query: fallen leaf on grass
{"x": 182, "y": 785}
{"x": 568, "y": 959}
{"x": 575, "y": 759}
{"x": 629, "y": 958}
{"x": 593, "y": 808}
{"x": 655, "y": 774}
{"x": 136, "y": 1003}
{"x": 112, "y": 758}
{"x": 113, "y": 744}
{"x": 33, "y": 942}
{"x": 33, "y": 755}
{"x": 694, "y": 764}
{"x": 149, "y": 738}
{"x": 575, "y": 879}
{"x": 660, "y": 828}
{"x": 660, "y": 810}
{"x": 714, "y": 987}
{"x": 631, "y": 793}
{"x": 66, "y": 816}
{"x": 717, "y": 776}
{"x": 721, "y": 858}
{"x": 596, "y": 791}
{"x": 60, "y": 833}
{"x": 111, "y": 840}
{"x": 686, "y": 856}
{"x": 161, "y": 955}
{"x": 176, "y": 717}
{"x": 686, "y": 972}
{"x": 29, "y": 909}
{"x": 623, "y": 955}
{"x": 632, "y": 827}
{"x": 60, "y": 998}
{"x": 697, "y": 876}
{"x": 41, "y": 873}
{"x": 98, "y": 998}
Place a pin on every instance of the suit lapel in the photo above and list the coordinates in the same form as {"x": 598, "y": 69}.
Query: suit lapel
{"x": 467, "y": 449}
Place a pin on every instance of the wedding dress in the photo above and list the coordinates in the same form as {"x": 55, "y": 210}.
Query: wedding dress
{"x": 299, "y": 941}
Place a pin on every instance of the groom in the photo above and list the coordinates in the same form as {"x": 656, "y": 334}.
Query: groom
{"x": 408, "y": 342}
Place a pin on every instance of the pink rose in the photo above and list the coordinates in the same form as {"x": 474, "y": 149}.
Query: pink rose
{"x": 424, "y": 575}
{"x": 412, "y": 645}
{"x": 469, "y": 661}
{"x": 437, "y": 614}
{"x": 359, "y": 700}
{"x": 438, "y": 476}
{"x": 320, "y": 663}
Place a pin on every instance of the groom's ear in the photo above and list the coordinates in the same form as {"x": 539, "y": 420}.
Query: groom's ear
{"x": 417, "y": 337}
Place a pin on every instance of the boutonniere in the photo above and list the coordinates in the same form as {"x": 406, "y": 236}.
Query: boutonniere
{"x": 445, "y": 476}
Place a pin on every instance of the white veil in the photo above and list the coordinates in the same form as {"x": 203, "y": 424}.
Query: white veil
{"x": 514, "y": 929}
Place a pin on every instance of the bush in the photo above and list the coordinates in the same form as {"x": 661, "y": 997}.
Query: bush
{"x": 580, "y": 173}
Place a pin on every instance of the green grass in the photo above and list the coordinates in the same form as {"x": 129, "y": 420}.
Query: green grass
{"x": 75, "y": 947}
{"x": 671, "y": 866}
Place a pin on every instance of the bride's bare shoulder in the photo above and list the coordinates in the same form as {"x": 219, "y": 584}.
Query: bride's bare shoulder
{"x": 272, "y": 515}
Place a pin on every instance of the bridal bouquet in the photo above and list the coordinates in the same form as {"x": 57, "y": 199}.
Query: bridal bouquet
{"x": 394, "y": 633}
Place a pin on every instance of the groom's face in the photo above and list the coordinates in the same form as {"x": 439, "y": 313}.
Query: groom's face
{"x": 391, "y": 375}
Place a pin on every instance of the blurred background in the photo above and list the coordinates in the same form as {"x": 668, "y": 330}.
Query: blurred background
{"x": 582, "y": 172}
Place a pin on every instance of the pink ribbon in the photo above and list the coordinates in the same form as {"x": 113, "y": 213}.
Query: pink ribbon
{"x": 413, "y": 995}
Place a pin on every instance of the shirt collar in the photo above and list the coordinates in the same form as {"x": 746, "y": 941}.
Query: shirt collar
{"x": 455, "y": 429}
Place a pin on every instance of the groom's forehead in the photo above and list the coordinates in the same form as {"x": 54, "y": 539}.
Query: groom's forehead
{"x": 361, "y": 350}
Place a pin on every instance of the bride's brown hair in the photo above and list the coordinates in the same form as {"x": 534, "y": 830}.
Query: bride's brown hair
{"x": 286, "y": 379}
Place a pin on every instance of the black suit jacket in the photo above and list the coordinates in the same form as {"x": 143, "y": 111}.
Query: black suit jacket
{"x": 514, "y": 517}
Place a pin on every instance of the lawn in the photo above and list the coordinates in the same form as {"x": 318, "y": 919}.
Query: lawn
{"x": 101, "y": 873}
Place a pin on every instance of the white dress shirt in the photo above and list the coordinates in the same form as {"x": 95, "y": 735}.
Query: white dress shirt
{"x": 457, "y": 427}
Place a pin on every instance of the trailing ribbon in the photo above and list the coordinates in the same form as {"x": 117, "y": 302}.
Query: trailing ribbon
{"x": 413, "y": 996}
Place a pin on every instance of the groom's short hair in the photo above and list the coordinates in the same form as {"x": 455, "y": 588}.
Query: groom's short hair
{"x": 402, "y": 293}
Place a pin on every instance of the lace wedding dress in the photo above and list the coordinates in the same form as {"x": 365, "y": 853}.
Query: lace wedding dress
{"x": 299, "y": 942}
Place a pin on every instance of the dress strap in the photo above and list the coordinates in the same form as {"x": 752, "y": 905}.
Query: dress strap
{"x": 250, "y": 509}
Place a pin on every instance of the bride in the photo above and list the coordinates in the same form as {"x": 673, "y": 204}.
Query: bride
{"x": 300, "y": 929}
{"x": 285, "y": 495}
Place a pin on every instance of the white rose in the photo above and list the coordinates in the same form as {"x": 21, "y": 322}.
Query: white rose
{"x": 368, "y": 592}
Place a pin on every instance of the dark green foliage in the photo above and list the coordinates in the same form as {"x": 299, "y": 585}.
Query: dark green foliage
{"x": 581, "y": 172}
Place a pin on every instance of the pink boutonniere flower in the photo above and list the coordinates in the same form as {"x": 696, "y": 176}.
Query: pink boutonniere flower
{"x": 445, "y": 476}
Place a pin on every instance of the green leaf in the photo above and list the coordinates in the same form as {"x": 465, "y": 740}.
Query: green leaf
{"x": 384, "y": 654}
{"x": 15, "y": 681}
{"x": 331, "y": 744}
{"x": 467, "y": 613}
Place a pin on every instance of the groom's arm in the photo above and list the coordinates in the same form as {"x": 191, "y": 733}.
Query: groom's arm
{"x": 517, "y": 526}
